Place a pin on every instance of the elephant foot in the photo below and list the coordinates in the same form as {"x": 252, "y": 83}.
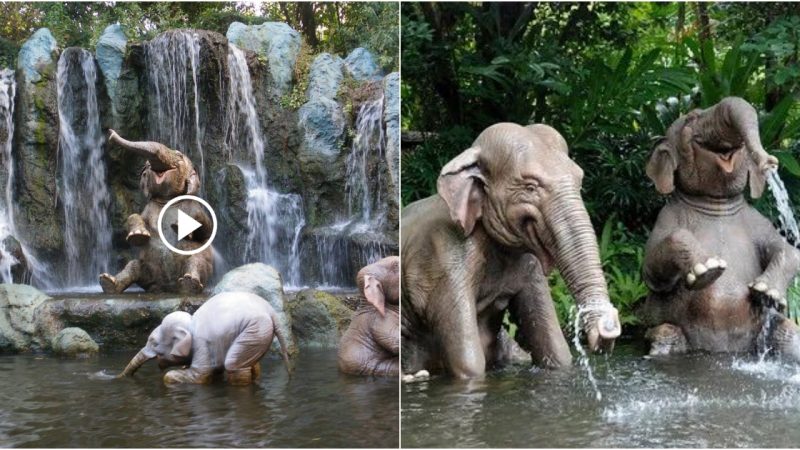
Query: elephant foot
{"x": 241, "y": 377}
{"x": 422, "y": 375}
{"x": 703, "y": 274}
{"x": 188, "y": 284}
{"x": 138, "y": 237}
{"x": 666, "y": 339}
{"x": 109, "y": 284}
{"x": 761, "y": 294}
{"x": 185, "y": 376}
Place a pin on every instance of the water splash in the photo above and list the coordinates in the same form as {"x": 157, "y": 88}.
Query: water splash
{"x": 172, "y": 61}
{"x": 8, "y": 88}
{"x": 583, "y": 358}
{"x": 87, "y": 232}
{"x": 788, "y": 223}
{"x": 274, "y": 220}
{"x": 363, "y": 202}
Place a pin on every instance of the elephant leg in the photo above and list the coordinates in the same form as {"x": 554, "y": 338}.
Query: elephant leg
{"x": 457, "y": 331}
{"x": 191, "y": 375}
{"x": 785, "y": 339}
{"x": 196, "y": 270}
{"x": 782, "y": 264}
{"x": 666, "y": 339}
{"x": 538, "y": 330}
{"x": 387, "y": 367}
{"x": 116, "y": 284}
{"x": 678, "y": 257}
{"x": 138, "y": 235}
{"x": 247, "y": 350}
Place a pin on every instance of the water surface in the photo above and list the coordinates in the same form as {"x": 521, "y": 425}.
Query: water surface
{"x": 51, "y": 402}
{"x": 699, "y": 400}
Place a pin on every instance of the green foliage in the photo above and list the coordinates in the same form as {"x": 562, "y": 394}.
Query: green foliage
{"x": 297, "y": 96}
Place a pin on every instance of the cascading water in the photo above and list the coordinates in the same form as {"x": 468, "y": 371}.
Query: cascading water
{"x": 84, "y": 195}
{"x": 172, "y": 61}
{"x": 274, "y": 220}
{"x": 363, "y": 202}
{"x": 583, "y": 358}
{"x": 7, "y": 93}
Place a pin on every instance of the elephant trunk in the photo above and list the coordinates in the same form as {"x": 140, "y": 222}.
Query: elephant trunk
{"x": 578, "y": 260}
{"x": 160, "y": 156}
{"x": 734, "y": 120}
{"x": 135, "y": 363}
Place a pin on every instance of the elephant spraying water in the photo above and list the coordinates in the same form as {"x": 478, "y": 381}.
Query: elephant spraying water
{"x": 166, "y": 174}
{"x": 715, "y": 267}
{"x": 230, "y": 332}
{"x": 508, "y": 210}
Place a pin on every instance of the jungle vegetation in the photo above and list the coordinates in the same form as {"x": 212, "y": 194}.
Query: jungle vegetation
{"x": 336, "y": 27}
{"x": 610, "y": 77}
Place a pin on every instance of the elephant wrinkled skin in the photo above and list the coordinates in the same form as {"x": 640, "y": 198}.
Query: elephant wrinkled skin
{"x": 713, "y": 264}
{"x": 166, "y": 174}
{"x": 230, "y": 332}
{"x": 508, "y": 210}
{"x": 371, "y": 345}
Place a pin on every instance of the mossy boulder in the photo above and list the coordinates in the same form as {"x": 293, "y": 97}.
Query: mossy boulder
{"x": 25, "y": 321}
{"x": 275, "y": 41}
{"x": 319, "y": 318}
{"x": 74, "y": 342}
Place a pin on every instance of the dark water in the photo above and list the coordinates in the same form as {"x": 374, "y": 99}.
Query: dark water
{"x": 49, "y": 402}
{"x": 699, "y": 400}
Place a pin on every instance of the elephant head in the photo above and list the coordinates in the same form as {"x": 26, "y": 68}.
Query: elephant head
{"x": 170, "y": 343}
{"x": 379, "y": 283}
{"x": 519, "y": 184}
{"x": 712, "y": 153}
{"x": 166, "y": 174}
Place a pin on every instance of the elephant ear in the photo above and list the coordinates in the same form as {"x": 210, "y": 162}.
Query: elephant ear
{"x": 182, "y": 348}
{"x": 460, "y": 184}
{"x": 373, "y": 291}
{"x": 662, "y": 165}
{"x": 193, "y": 183}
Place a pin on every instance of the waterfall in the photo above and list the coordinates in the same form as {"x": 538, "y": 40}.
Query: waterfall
{"x": 85, "y": 197}
{"x": 8, "y": 88}
{"x": 172, "y": 61}
{"x": 274, "y": 220}
{"x": 787, "y": 221}
{"x": 361, "y": 200}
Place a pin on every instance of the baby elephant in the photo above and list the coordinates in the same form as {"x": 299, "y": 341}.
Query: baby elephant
{"x": 231, "y": 331}
{"x": 371, "y": 346}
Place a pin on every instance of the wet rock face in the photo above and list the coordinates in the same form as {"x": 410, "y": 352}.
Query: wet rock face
{"x": 35, "y": 145}
{"x": 264, "y": 281}
{"x": 361, "y": 65}
{"x": 275, "y": 41}
{"x": 319, "y": 319}
{"x": 73, "y": 342}
{"x": 25, "y": 321}
{"x": 110, "y": 54}
{"x": 322, "y": 122}
{"x": 391, "y": 120}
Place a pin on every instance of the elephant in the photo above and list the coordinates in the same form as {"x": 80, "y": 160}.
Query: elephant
{"x": 371, "y": 344}
{"x": 166, "y": 174}
{"x": 508, "y": 210}
{"x": 229, "y": 333}
{"x": 713, "y": 265}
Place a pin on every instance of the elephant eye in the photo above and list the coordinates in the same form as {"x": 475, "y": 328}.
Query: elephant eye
{"x": 531, "y": 187}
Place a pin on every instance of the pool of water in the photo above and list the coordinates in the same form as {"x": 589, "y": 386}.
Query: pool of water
{"x": 51, "y": 402}
{"x": 699, "y": 400}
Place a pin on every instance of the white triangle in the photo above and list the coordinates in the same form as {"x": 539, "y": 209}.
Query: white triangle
{"x": 186, "y": 225}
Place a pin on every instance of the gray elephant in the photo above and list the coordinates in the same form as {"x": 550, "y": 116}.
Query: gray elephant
{"x": 229, "y": 333}
{"x": 713, "y": 264}
{"x": 508, "y": 210}
{"x": 166, "y": 174}
{"x": 371, "y": 345}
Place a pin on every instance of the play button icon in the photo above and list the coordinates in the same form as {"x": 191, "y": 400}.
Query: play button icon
{"x": 187, "y": 225}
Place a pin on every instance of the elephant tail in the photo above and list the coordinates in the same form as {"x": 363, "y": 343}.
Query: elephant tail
{"x": 282, "y": 341}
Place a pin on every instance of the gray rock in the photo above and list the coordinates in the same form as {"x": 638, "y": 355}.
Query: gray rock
{"x": 324, "y": 77}
{"x": 320, "y": 318}
{"x": 322, "y": 123}
{"x": 74, "y": 341}
{"x": 391, "y": 119}
{"x": 264, "y": 281}
{"x": 276, "y": 41}
{"x": 361, "y": 65}
{"x": 110, "y": 54}
{"x": 24, "y": 322}
{"x": 36, "y": 52}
